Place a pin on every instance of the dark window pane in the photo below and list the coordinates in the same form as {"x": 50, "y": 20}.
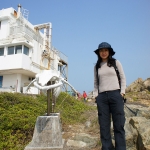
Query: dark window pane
{"x": 1, "y": 81}
{"x": 1, "y": 51}
{"x": 11, "y": 50}
{"x": 18, "y": 49}
{"x": 26, "y": 50}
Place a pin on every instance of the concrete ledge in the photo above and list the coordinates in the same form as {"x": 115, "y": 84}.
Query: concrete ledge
{"x": 48, "y": 148}
{"x": 39, "y": 148}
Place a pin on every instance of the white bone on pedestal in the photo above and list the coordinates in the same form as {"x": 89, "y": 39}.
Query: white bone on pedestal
{"x": 41, "y": 79}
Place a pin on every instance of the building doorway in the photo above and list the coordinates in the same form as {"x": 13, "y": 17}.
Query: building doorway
{"x": 1, "y": 81}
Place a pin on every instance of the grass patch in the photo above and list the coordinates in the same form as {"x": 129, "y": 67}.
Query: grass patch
{"x": 71, "y": 109}
{"x": 135, "y": 98}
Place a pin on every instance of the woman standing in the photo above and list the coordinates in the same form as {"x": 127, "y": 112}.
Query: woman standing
{"x": 109, "y": 97}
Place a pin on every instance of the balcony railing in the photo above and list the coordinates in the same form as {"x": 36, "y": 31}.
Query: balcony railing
{"x": 63, "y": 57}
{"x": 7, "y": 89}
{"x": 15, "y": 30}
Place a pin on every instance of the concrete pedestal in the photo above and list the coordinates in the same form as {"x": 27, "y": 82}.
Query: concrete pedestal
{"x": 47, "y": 134}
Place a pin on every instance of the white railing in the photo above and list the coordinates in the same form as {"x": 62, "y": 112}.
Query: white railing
{"x": 14, "y": 30}
{"x": 63, "y": 57}
{"x": 7, "y": 89}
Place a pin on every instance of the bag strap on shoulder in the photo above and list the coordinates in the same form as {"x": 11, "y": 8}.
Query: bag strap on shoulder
{"x": 117, "y": 72}
{"x": 97, "y": 78}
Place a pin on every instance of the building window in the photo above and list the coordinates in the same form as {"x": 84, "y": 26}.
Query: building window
{"x": 18, "y": 49}
{"x": 26, "y": 50}
{"x": 1, "y": 51}
{"x": 11, "y": 50}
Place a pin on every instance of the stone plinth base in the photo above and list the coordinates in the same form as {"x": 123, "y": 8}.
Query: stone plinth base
{"x": 47, "y": 134}
{"x": 38, "y": 148}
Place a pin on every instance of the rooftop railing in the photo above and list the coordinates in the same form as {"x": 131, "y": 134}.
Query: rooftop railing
{"x": 61, "y": 55}
{"x": 14, "y": 30}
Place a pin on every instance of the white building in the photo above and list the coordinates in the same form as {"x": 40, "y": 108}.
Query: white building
{"x": 25, "y": 50}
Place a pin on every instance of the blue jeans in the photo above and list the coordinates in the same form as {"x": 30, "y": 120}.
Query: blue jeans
{"x": 111, "y": 103}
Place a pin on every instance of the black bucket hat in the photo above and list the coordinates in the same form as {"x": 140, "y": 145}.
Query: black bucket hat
{"x": 104, "y": 45}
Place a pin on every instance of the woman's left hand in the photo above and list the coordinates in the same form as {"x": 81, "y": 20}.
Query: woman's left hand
{"x": 122, "y": 94}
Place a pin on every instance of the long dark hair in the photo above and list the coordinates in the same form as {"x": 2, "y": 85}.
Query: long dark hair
{"x": 110, "y": 61}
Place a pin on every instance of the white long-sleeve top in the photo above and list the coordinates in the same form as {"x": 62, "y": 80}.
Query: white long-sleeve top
{"x": 108, "y": 79}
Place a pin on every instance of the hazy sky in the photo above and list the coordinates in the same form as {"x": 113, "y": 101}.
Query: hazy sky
{"x": 78, "y": 26}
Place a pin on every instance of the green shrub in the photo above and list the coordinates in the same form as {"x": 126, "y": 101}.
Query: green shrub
{"x": 135, "y": 98}
{"x": 71, "y": 109}
{"x": 18, "y": 115}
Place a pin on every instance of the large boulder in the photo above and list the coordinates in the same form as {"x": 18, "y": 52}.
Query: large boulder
{"x": 139, "y": 85}
{"x": 136, "y": 86}
{"x": 137, "y": 127}
{"x": 147, "y": 83}
{"x": 142, "y": 125}
{"x": 131, "y": 135}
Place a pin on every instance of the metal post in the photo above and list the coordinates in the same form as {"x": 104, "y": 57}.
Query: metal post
{"x": 49, "y": 100}
{"x": 53, "y": 98}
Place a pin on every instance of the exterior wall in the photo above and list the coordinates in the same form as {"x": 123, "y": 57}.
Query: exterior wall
{"x": 56, "y": 61}
{"x": 10, "y": 80}
{"x": 11, "y": 62}
{"x": 5, "y": 16}
{"x": 16, "y": 81}
{"x": 16, "y": 61}
{"x": 4, "y": 30}
{"x": 25, "y": 62}
{"x": 22, "y": 61}
{"x": 25, "y": 80}
{"x": 6, "y": 13}
{"x": 37, "y": 55}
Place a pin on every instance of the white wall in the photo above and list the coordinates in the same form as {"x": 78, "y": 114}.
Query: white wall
{"x": 37, "y": 55}
{"x": 4, "y": 30}
{"x": 11, "y": 61}
{"x": 56, "y": 61}
{"x": 25, "y": 80}
{"x": 26, "y": 62}
{"x": 9, "y": 80}
{"x": 14, "y": 80}
{"x": 18, "y": 85}
{"x": 17, "y": 81}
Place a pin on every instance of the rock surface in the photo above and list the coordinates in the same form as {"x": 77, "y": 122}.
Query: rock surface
{"x": 87, "y": 136}
{"x": 137, "y": 126}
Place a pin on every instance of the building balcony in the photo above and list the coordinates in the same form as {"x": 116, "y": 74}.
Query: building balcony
{"x": 19, "y": 64}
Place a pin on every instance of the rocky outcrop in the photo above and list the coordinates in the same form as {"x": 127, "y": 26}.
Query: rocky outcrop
{"x": 137, "y": 129}
{"x": 147, "y": 84}
{"x": 139, "y": 85}
{"x": 137, "y": 126}
{"x": 82, "y": 140}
